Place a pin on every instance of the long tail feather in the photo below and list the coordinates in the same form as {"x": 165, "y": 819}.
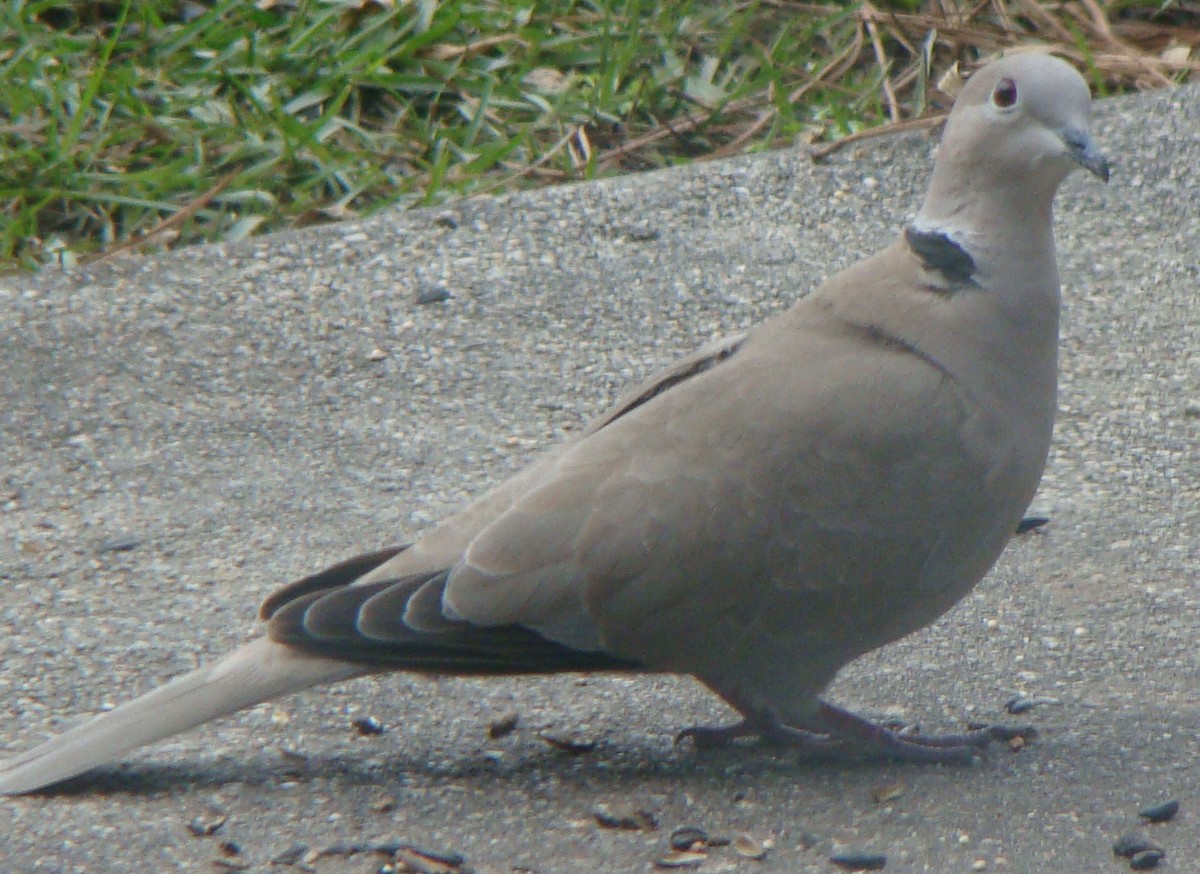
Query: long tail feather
{"x": 257, "y": 672}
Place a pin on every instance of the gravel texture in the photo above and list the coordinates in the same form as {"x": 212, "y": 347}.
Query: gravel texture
{"x": 179, "y": 435}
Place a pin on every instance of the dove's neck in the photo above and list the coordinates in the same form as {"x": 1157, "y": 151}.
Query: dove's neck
{"x": 1005, "y": 229}
{"x": 1004, "y": 225}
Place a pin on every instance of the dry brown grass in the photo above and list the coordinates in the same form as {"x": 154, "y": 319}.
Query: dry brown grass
{"x": 133, "y": 126}
{"x": 922, "y": 55}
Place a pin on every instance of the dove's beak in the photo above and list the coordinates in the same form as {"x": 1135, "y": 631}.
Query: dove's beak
{"x": 1084, "y": 152}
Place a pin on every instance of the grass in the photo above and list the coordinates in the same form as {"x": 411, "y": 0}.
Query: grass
{"x": 146, "y": 125}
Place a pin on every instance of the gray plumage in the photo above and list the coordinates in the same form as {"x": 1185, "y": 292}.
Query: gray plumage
{"x": 758, "y": 515}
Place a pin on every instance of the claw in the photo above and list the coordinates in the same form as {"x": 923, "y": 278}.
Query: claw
{"x": 709, "y": 737}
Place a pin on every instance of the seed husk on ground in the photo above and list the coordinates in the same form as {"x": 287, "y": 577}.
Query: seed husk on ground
{"x": 1163, "y": 812}
{"x": 624, "y": 816}
{"x": 1129, "y": 845}
{"x": 1146, "y": 860}
{"x": 857, "y": 860}
{"x": 680, "y": 859}
{"x": 749, "y": 847}
{"x": 688, "y": 837}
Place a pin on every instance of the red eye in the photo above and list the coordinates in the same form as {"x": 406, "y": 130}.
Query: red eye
{"x": 1005, "y": 94}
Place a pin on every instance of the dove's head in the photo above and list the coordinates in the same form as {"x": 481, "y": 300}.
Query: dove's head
{"x": 1020, "y": 125}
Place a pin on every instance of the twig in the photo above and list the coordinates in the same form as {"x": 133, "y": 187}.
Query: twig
{"x": 868, "y": 15}
{"x": 528, "y": 169}
{"x": 689, "y": 123}
{"x": 984, "y": 38}
{"x": 1002, "y": 13}
{"x": 897, "y": 127}
{"x": 834, "y": 68}
{"x": 167, "y": 224}
{"x": 1100, "y": 23}
{"x": 1035, "y": 11}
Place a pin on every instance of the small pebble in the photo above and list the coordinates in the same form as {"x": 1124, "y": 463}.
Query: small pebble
{"x": 886, "y": 792}
{"x": 207, "y": 826}
{"x": 433, "y": 293}
{"x": 644, "y": 234}
{"x": 852, "y": 860}
{"x": 290, "y": 856}
{"x": 568, "y": 745}
{"x": 503, "y": 725}
{"x": 119, "y": 544}
{"x": 386, "y": 804}
{"x": 1163, "y": 812}
{"x": 368, "y": 726}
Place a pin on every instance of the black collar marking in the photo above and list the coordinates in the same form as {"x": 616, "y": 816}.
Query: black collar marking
{"x": 938, "y": 252}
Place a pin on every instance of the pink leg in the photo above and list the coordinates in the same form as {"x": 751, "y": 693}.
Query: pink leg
{"x": 762, "y": 724}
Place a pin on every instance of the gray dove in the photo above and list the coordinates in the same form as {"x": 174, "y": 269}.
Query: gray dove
{"x": 758, "y": 514}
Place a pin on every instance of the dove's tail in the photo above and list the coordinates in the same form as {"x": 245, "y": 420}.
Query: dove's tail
{"x": 257, "y": 672}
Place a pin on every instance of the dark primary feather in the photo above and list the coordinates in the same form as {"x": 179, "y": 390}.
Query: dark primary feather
{"x": 368, "y": 624}
{"x": 333, "y": 577}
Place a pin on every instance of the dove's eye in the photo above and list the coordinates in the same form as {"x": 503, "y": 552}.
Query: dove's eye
{"x": 1005, "y": 93}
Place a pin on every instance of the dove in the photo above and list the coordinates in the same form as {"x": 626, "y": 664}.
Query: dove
{"x": 755, "y": 516}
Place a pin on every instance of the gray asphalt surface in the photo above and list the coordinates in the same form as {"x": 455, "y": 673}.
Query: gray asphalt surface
{"x": 179, "y": 435}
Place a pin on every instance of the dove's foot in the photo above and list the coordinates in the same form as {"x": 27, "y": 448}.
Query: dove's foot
{"x": 905, "y": 746}
{"x": 836, "y": 730}
{"x": 762, "y": 724}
